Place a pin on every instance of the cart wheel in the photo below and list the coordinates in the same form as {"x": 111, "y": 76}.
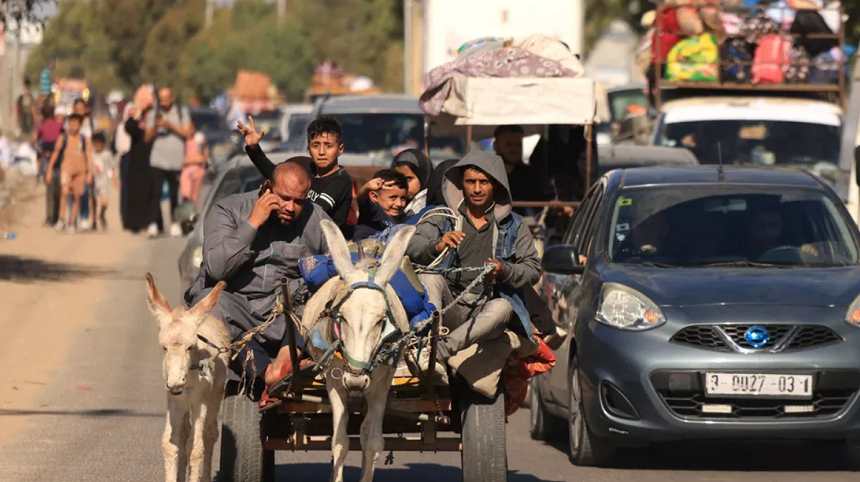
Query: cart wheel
{"x": 242, "y": 456}
{"x": 484, "y": 457}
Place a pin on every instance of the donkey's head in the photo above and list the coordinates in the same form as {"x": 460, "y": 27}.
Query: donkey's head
{"x": 178, "y": 331}
{"x": 363, "y": 307}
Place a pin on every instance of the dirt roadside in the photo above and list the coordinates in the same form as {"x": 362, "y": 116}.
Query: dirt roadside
{"x": 51, "y": 286}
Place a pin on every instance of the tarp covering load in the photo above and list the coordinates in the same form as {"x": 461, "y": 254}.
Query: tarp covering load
{"x": 535, "y": 80}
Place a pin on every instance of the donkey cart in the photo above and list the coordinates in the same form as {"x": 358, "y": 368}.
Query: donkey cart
{"x": 419, "y": 417}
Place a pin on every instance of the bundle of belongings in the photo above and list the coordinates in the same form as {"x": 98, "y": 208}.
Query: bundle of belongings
{"x": 745, "y": 41}
{"x": 534, "y": 56}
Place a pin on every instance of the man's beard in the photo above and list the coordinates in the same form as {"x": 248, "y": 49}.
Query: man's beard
{"x": 274, "y": 218}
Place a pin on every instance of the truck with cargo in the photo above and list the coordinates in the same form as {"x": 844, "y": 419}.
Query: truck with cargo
{"x": 762, "y": 85}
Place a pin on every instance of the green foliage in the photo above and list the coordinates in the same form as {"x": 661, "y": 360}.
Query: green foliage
{"x": 123, "y": 43}
{"x": 77, "y": 45}
{"x": 161, "y": 60}
{"x": 210, "y": 59}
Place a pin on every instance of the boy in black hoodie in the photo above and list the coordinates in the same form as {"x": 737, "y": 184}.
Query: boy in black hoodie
{"x": 381, "y": 203}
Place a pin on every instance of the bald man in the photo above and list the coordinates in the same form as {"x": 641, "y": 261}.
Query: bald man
{"x": 251, "y": 241}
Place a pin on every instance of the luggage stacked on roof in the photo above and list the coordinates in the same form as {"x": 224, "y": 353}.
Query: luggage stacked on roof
{"x": 747, "y": 42}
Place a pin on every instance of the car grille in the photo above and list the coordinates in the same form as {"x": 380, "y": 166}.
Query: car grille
{"x": 689, "y": 405}
{"x": 708, "y": 337}
{"x": 700, "y": 335}
{"x": 813, "y": 335}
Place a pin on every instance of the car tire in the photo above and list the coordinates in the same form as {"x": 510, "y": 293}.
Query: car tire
{"x": 484, "y": 457}
{"x": 242, "y": 456}
{"x": 586, "y": 449}
{"x": 540, "y": 422}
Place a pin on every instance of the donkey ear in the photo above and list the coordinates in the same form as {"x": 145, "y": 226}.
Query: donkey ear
{"x": 158, "y": 306}
{"x": 205, "y": 305}
{"x": 393, "y": 255}
{"x": 337, "y": 248}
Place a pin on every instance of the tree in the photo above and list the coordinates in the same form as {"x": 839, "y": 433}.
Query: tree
{"x": 74, "y": 40}
{"x": 161, "y": 59}
{"x": 211, "y": 59}
{"x": 365, "y": 36}
{"x": 127, "y": 24}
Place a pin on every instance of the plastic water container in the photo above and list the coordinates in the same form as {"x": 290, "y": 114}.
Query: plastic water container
{"x": 10, "y": 236}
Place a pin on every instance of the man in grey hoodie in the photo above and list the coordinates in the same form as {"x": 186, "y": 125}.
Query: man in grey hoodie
{"x": 477, "y": 189}
{"x": 251, "y": 241}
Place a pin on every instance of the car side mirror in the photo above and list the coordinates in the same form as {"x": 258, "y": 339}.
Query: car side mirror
{"x": 562, "y": 259}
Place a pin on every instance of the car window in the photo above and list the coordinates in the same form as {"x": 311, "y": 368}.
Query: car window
{"x": 746, "y": 226}
{"x": 235, "y": 182}
{"x": 759, "y": 142}
{"x": 366, "y": 133}
{"x": 580, "y": 216}
{"x": 592, "y": 223}
{"x": 209, "y": 122}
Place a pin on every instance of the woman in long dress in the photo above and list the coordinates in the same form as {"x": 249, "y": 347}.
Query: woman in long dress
{"x": 138, "y": 177}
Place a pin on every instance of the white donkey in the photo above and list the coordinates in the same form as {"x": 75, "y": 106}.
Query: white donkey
{"x": 366, "y": 314}
{"x": 196, "y": 373}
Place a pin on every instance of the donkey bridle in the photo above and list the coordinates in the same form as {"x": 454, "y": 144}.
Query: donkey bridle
{"x": 387, "y": 350}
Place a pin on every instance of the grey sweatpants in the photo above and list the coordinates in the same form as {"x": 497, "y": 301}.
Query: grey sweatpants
{"x": 468, "y": 323}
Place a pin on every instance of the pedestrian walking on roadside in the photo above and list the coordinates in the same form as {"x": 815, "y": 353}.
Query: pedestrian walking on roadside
{"x": 139, "y": 176}
{"x": 45, "y": 138}
{"x": 105, "y": 170}
{"x": 122, "y": 147}
{"x": 88, "y": 200}
{"x": 172, "y": 126}
{"x": 74, "y": 152}
{"x": 194, "y": 170}
{"x": 25, "y": 111}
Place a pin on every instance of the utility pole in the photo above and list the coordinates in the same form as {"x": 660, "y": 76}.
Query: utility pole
{"x": 282, "y": 11}
{"x": 210, "y": 13}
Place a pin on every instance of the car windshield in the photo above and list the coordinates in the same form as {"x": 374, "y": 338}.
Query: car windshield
{"x": 297, "y": 125}
{"x": 742, "y": 226}
{"x": 759, "y": 142}
{"x": 269, "y": 121}
{"x": 366, "y": 133}
{"x": 622, "y": 101}
{"x": 209, "y": 122}
{"x": 237, "y": 181}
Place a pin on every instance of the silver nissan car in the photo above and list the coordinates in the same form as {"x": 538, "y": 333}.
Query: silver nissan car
{"x": 703, "y": 303}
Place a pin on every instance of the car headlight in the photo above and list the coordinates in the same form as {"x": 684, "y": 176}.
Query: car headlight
{"x": 852, "y": 316}
{"x": 197, "y": 257}
{"x": 627, "y": 309}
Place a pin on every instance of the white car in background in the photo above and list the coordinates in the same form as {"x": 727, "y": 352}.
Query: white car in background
{"x": 294, "y": 120}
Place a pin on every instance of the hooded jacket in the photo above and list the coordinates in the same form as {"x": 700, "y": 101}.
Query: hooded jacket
{"x": 512, "y": 241}
{"x": 423, "y": 169}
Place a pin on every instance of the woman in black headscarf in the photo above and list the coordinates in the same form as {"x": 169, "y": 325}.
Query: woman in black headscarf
{"x": 417, "y": 168}
{"x": 434, "y": 185}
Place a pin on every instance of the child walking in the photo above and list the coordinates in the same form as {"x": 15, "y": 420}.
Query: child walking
{"x": 76, "y": 170}
{"x": 105, "y": 166}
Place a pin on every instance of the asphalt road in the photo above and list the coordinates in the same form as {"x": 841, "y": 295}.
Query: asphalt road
{"x": 84, "y": 400}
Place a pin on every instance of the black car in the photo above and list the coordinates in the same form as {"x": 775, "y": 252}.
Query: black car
{"x": 703, "y": 303}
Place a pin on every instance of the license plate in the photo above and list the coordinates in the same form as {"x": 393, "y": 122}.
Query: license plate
{"x": 758, "y": 385}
